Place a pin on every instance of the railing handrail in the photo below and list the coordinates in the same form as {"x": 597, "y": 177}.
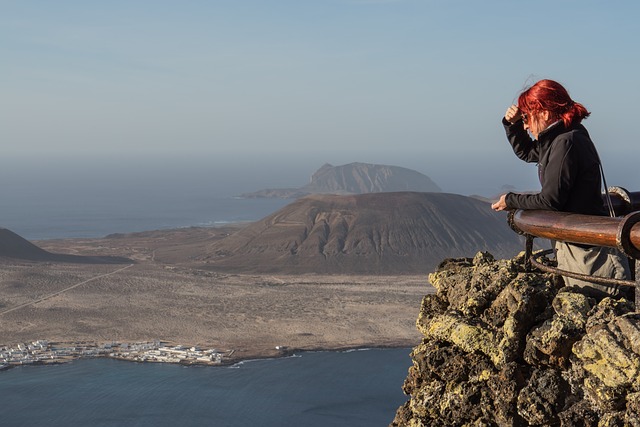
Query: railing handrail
{"x": 622, "y": 233}
{"x": 619, "y": 232}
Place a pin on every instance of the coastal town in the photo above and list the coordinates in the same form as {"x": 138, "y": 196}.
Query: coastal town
{"x": 42, "y": 352}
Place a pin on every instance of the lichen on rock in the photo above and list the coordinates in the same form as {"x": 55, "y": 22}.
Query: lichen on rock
{"x": 507, "y": 347}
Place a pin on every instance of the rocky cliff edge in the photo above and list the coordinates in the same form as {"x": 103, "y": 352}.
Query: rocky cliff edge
{"x": 503, "y": 347}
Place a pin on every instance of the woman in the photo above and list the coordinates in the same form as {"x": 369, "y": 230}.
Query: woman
{"x": 569, "y": 172}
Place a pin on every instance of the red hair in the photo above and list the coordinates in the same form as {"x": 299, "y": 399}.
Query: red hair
{"x": 551, "y": 96}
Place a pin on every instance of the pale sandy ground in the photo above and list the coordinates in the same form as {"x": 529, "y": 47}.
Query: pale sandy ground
{"x": 179, "y": 303}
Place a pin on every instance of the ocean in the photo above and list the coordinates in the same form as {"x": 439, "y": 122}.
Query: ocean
{"x": 358, "y": 388}
{"x": 42, "y": 200}
{"x": 56, "y": 219}
{"x": 319, "y": 389}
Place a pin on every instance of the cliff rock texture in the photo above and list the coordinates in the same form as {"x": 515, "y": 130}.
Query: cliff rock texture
{"x": 503, "y": 347}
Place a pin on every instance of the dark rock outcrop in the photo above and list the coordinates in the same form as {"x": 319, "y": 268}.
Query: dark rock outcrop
{"x": 503, "y": 347}
{"x": 355, "y": 178}
{"x": 380, "y": 233}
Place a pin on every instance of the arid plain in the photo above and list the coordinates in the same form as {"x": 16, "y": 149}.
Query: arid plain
{"x": 164, "y": 294}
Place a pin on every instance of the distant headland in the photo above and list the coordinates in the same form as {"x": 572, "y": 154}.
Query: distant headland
{"x": 355, "y": 178}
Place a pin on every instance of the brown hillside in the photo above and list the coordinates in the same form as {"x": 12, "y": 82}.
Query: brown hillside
{"x": 13, "y": 246}
{"x": 378, "y": 233}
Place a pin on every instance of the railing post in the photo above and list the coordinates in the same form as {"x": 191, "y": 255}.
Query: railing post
{"x": 528, "y": 251}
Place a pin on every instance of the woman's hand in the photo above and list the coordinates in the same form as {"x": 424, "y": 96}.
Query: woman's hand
{"x": 501, "y": 204}
{"x": 513, "y": 114}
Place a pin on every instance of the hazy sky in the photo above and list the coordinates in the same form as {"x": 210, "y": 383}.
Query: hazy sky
{"x": 285, "y": 86}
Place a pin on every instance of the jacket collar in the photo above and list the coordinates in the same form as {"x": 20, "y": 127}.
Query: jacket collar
{"x": 546, "y": 137}
{"x": 553, "y": 130}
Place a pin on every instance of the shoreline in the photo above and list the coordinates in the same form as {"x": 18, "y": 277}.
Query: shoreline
{"x": 228, "y": 361}
{"x": 167, "y": 295}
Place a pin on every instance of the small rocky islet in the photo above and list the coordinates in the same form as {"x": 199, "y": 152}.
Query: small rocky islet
{"x": 506, "y": 347}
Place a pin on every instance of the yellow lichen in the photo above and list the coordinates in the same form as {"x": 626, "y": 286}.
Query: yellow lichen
{"x": 604, "y": 357}
{"x": 484, "y": 375}
{"x": 470, "y": 338}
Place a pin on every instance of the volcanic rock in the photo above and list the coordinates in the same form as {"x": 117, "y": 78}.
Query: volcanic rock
{"x": 380, "y": 233}
{"x": 507, "y": 347}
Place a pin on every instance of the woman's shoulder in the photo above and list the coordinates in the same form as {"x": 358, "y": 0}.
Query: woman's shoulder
{"x": 573, "y": 133}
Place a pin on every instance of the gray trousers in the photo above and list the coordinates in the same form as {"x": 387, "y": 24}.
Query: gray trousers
{"x": 596, "y": 261}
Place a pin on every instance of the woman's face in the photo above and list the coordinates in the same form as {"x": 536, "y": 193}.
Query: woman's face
{"x": 535, "y": 122}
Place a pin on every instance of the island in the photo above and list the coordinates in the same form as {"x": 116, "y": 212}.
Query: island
{"x": 327, "y": 272}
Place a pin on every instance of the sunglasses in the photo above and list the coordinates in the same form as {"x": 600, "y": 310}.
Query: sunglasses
{"x": 525, "y": 118}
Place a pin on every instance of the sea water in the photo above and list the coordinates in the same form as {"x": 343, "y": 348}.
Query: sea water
{"x": 101, "y": 217}
{"x": 49, "y": 200}
{"x": 356, "y": 388}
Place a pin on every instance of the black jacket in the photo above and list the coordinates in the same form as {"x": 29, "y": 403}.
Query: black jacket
{"x": 568, "y": 168}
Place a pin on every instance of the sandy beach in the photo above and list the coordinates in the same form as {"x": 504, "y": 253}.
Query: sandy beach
{"x": 163, "y": 295}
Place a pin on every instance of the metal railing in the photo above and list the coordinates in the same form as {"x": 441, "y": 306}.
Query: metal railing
{"x": 621, "y": 232}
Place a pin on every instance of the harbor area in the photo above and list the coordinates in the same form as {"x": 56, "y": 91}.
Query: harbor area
{"x": 42, "y": 352}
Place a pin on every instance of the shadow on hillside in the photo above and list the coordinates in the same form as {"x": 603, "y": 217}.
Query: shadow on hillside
{"x": 15, "y": 247}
